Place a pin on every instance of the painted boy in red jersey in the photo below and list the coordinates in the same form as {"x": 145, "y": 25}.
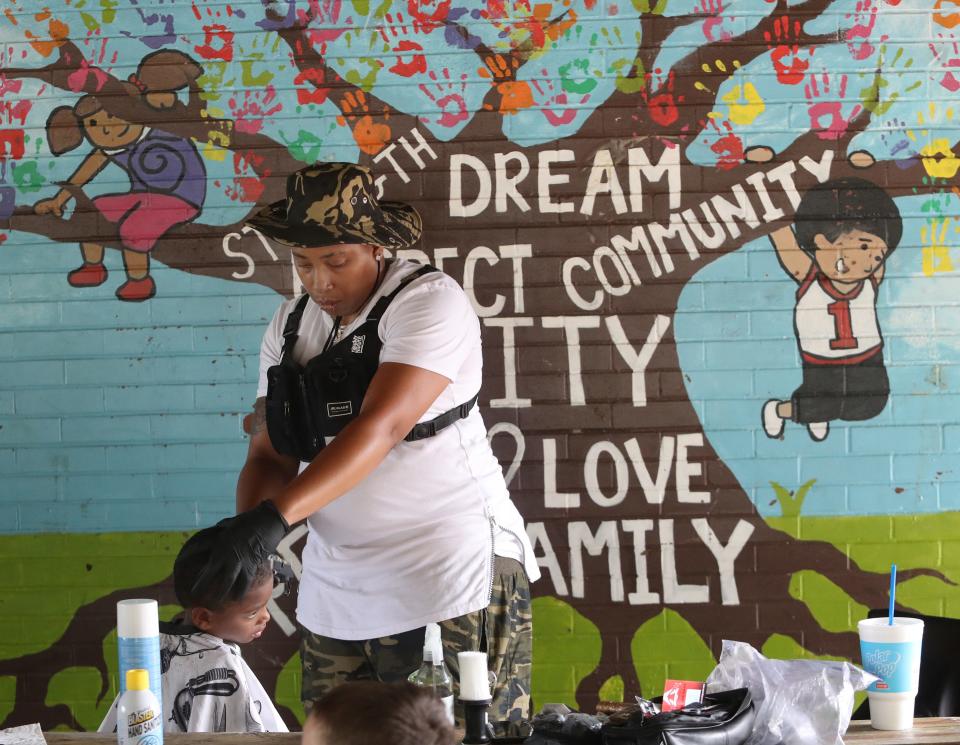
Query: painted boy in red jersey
{"x": 844, "y": 230}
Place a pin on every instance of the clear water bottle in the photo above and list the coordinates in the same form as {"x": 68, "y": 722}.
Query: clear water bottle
{"x": 433, "y": 673}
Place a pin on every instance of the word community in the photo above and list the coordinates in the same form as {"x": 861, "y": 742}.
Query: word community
{"x": 707, "y": 226}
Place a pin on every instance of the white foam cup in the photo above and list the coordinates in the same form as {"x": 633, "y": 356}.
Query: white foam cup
{"x": 892, "y": 653}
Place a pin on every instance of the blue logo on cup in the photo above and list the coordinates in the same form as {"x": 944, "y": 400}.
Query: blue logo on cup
{"x": 892, "y": 662}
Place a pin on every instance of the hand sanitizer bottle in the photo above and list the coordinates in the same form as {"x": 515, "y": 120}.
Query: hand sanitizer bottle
{"x": 433, "y": 673}
{"x": 139, "y": 720}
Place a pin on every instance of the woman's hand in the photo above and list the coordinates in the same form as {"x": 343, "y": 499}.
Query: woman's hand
{"x": 248, "y": 540}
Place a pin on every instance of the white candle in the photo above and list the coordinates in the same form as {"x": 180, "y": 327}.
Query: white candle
{"x": 474, "y": 683}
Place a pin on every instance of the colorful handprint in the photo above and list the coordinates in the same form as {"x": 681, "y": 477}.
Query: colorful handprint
{"x": 935, "y": 241}
{"x": 370, "y": 135}
{"x": 789, "y": 60}
{"x": 820, "y": 107}
{"x": 860, "y": 34}
{"x": 660, "y": 99}
{"x": 448, "y": 95}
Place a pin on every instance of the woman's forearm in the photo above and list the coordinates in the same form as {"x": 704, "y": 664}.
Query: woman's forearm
{"x": 397, "y": 397}
{"x": 262, "y": 478}
{"x": 340, "y": 466}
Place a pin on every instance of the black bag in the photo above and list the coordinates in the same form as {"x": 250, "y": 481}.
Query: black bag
{"x": 724, "y": 718}
{"x": 307, "y": 404}
{"x": 556, "y": 725}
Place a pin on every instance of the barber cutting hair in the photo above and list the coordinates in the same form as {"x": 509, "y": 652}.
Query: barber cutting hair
{"x": 366, "y": 425}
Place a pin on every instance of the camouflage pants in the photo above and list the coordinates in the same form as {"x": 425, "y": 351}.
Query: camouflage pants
{"x": 504, "y": 630}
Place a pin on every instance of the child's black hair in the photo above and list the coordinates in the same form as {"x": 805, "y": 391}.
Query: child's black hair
{"x": 191, "y": 560}
{"x": 841, "y": 205}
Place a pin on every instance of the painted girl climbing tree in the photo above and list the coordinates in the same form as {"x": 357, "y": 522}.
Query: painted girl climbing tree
{"x": 167, "y": 175}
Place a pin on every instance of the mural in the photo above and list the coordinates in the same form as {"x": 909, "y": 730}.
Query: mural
{"x": 167, "y": 177}
{"x": 641, "y": 200}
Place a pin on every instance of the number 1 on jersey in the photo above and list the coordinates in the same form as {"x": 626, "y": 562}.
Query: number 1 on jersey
{"x": 842, "y": 325}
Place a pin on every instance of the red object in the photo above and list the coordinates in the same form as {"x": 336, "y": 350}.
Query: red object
{"x": 11, "y": 144}
{"x": 680, "y": 693}
{"x": 88, "y": 275}
{"x": 416, "y": 64}
{"x": 137, "y": 290}
{"x": 217, "y": 43}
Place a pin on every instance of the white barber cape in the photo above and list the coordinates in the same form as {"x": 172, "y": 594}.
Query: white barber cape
{"x": 207, "y": 687}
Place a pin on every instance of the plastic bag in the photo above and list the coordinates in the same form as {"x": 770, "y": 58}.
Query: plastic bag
{"x": 798, "y": 701}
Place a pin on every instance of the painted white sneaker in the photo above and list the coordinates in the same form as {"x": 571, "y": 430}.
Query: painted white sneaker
{"x": 818, "y": 430}
{"x": 772, "y": 422}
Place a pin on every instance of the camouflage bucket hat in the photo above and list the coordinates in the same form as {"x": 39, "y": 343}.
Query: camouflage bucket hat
{"x": 331, "y": 203}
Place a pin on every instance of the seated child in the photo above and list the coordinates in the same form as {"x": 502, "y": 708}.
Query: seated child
{"x": 206, "y": 684}
{"x": 364, "y": 712}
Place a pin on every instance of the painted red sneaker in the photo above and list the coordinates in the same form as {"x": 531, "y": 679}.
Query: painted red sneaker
{"x": 137, "y": 290}
{"x": 88, "y": 275}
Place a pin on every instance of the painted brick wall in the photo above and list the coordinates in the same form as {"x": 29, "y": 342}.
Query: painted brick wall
{"x": 136, "y": 425}
{"x": 605, "y": 179}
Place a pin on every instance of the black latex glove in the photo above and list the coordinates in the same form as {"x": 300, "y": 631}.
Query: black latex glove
{"x": 247, "y": 540}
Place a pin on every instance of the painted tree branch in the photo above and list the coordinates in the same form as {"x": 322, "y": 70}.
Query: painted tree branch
{"x": 526, "y": 50}
{"x": 502, "y": 67}
{"x": 872, "y": 587}
{"x": 658, "y": 28}
{"x": 40, "y": 668}
{"x": 725, "y": 56}
{"x": 712, "y": 64}
{"x": 190, "y": 120}
{"x": 367, "y": 115}
{"x": 861, "y": 121}
{"x": 195, "y": 248}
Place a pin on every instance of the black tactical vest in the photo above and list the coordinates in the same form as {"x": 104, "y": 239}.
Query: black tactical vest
{"x": 306, "y": 404}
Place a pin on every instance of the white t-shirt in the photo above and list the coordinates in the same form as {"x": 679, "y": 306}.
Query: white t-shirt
{"x": 414, "y": 542}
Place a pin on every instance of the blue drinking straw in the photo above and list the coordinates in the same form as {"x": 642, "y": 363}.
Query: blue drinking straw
{"x": 893, "y": 590}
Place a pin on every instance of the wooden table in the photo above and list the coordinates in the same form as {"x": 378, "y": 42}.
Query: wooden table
{"x": 929, "y": 731}
{"x": 932, "y": 731}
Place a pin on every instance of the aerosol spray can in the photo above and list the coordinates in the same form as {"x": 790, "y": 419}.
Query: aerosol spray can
{"x": 138, "y": 642}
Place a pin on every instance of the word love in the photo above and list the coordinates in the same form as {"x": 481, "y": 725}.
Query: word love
{"x": 612, "y": 538}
